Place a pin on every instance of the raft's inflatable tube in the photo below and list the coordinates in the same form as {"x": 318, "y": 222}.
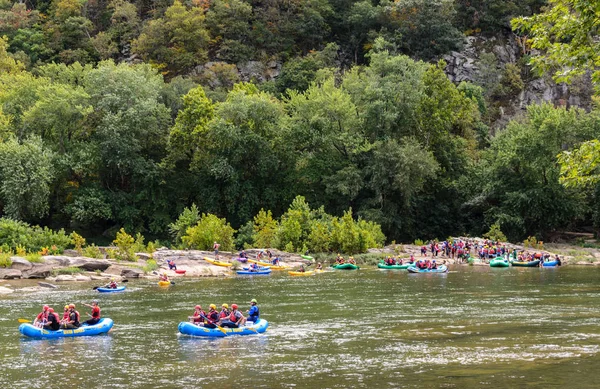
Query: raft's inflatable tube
{"x": 102, "y": 327}
{"x": 382, "y": 265}
{"x": 346, "y": 266}
{"x": 499, "y": 263}
{"x": 440, "y": 269}
{"x": 111, "y": 290}
{"x": 267, "y": 264}
{"x": 535, "y": 263}
{"x": 550, "y": 264}
{"x": 188, "y": 328}
{"x": 254, "y": 273}
{"x": 301, "y": 273}
{"x": 164, "y": 283}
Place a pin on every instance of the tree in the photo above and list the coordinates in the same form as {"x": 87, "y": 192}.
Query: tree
{"x": 566, "y": 35}
{"x": 580, "y": 168}
{"x": 26, "y": 172}
{"x": 176, "y": 42}
{"x": 209, "y": 229}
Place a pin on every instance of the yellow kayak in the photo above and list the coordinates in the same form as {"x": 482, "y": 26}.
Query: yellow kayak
{"x": 164, "y": 283}
{"x": 217, "y": 262}
{"x": 267, "y": 264}
{"x": 301, "y": 273}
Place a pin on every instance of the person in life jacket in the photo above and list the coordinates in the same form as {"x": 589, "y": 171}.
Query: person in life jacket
{"x": 352, "y": 261}
{"x": 243, "y": 254}
{"x": 433, "y": 265}
{"x": 411, "y": 259}
{"x": 275, "y": 261}
{"x": 319, "y": 266}
{"x": 302, "y": 269}
{"x": 198, "y": 316}
{"x": 224, "y": 311}
{"x": 253, "y": 312}
{"x": 42, "y": 317}
{"x": 216, "y": 249}
{"x": 53, "y": 322}
{"x": 235, "y": 318}
{"x": 163, "y": 277}
{"x": 253, "y": 267}
{"x": 73, "y": 321}
{"x": 172, "y": 265}
{"x": 212, "y": 318}
{"x": 95, "y": 315}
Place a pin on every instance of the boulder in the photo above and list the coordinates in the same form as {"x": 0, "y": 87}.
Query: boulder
{"x": 4, "y": 290}
{"x": 144, "y": 256}
{"x": 71, "y": 253}
{"x": 9, "y": 274}
{"x": 132, "y": 273}
{"x": 47, "y": 285}
{"x": 65, "y": 277}
{"x": 82, "y": 278}
{"x": 58, "y": 260}
{"x": 90, "y": 264}
{"x": 41, "y": 271}
{"x": 20, "y": 263}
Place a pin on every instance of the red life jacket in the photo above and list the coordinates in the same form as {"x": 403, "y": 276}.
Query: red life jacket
{"x": 232, "y": 317}
{"x": 213, "y": 317}
{"x": 96, "y": 312}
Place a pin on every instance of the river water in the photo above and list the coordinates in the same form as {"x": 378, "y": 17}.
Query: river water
{"x": 473, "y": 327}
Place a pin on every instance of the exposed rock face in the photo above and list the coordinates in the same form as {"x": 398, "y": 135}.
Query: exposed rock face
{"x": 20, "y": 264}
{"x": 132, "y": 273}
{"x": 90, "y": 264}
{"x": 41, "y": 271}
{"x": 9, "y": 274}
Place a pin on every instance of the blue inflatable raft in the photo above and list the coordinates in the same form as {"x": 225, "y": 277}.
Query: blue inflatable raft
{"x": 550, "y": 264}
{"x": 440, "y": 269}
{"x": 102, "y": 327}
{"x": 188, "y": 328}
{"x": 111, "y": 290}
{"x": 253, "y": 273}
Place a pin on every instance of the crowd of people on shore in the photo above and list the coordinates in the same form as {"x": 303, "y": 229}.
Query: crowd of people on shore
{"x": 52, "y": 321}
{"x": 231, "y": 318}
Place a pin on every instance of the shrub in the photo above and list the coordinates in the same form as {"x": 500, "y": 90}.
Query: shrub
{"x": 150, "y": 266}
{"x": 92, "y": 251}
{"x": 419, "y": 242}
{"x": 530, "y": 242}
{"x": 209, "y": 229}
{"x": 245, "y": 236}
{"x": 34, "y": 258}
{"x": 111, "y": 253}
{"x": 21, "y": 251}
{"x": 78, "y": 241}
{"x": 15, "y": 233}
{"x": 125, "y": 246}
{"x": 188, "y": 218}
{"x": 5, "y": 260}
{"x": 289, "y": 247}
{"x": 495, "y": 233}
{"x": 67, "y": 270}
{"x": 265, "y": 229}
{"x": 138, "y": 245}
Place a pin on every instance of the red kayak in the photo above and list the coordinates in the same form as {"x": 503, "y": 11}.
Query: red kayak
{"x": 180, "y": 271}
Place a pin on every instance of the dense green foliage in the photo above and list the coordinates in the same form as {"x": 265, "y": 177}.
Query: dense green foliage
{"x": 132, "y": 117}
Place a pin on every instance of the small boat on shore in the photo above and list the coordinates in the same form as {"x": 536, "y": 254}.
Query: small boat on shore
{"x": 267, "y": 264}
{"x": 217, "y": 262}
{"x": 535, "y": 263}
{"x": 102, "y": 327}
{"x": 550, "y": 264}
{"x": 180, "y": 271}
{"x": 499, "y": 262}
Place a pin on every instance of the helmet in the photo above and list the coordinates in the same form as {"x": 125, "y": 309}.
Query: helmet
{"x": 95, "y": 302}
{"x": 112, "y": 279}
{"x": 233, "y": 306}
{"x": 213, "y": 306}
{"x": 66, "y": 307}
{"x": 225, "y": 306}
{"x": 50, "y": 310}
{"x": 197, "y": 307}
{"x": 254, "y": 301}
{"x": 45, "y": 308}
{"x": 71, "y": 305}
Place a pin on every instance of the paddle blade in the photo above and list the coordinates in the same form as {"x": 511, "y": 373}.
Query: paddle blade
{"x": 24, "y": 321}
{"x": 172, "y": 283}
{"x": 222, "y": 330}
{"x": 125, "y": 280}
{"x": 95, "y": 287}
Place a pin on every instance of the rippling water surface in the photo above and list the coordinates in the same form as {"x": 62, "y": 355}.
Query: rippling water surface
{"x": 473, "y": 327}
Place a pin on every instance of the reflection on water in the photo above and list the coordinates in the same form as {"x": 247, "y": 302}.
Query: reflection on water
{"x": 472, "y": 327}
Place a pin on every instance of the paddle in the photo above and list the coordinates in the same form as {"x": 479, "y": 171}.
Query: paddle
{"x": 107, "y": 285}
{"x": 24, "y": 321}
{"x": 220, "y": 328}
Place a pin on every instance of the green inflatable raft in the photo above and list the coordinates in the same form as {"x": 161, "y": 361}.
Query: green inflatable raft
{"x": 346, "y": 266}
{"x": 404, "y": 266}
{"x": 499, "y": 262}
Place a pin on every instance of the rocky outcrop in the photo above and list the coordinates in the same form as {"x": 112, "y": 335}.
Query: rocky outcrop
{"x": 47, "y": 285}
{"x": 132, "y": 273}
{"x": 10, "y": 274}
{"x": 90, "y": 264}
{"x": 40, "y": 271}
{"x": 20, "y": 264}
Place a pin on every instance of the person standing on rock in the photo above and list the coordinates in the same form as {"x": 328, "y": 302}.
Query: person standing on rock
{"x": 216, "y": 249}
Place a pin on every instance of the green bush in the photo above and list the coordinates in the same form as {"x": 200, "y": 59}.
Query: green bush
{"x": 67, "y": 270}
{"x": 125, "y": 246}
{"x": 78, "y": 242}
{"x": 209, "y": 229}
{"x": 150, "y": 266}
{"x": 92, "y": 251}
{"x": 5, "y": 260}
{"x": 495, "y": 233}
{"x": 265, "y": 229}
{"x": 34, "y": 258}
{"x": 188, "y": 218}
{"x": 15, "y": 234}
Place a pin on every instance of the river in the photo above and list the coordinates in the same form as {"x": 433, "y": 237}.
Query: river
{"x": 473, "y": 327}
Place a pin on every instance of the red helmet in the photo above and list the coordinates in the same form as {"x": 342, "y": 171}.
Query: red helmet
{"x": 197, "y": 307}
{"x": 233, "y": 306}
{"x": 46, "y": 307}
{"x": 50, "y": 310}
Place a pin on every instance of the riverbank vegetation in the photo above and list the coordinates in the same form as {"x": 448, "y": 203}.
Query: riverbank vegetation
{"x": 128, "y": 122}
